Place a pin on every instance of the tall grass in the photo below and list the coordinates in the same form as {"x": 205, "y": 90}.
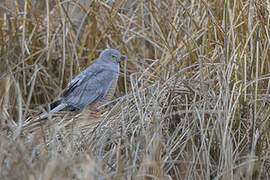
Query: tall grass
{"x": 192, "y": 102}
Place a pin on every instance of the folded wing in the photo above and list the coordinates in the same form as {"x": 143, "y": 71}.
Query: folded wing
{"x": 86, "y": 88}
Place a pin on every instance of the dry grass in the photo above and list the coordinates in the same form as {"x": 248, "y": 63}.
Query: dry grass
{"x": 194, "y": 95}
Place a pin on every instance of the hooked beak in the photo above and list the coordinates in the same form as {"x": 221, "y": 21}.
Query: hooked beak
{"x": 118, "y": 60}
{"x": 122, "y": 58}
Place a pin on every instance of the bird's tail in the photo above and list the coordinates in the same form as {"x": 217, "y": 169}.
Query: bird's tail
{"x": 58, "y": 108}
{"x": 33, "y": 123}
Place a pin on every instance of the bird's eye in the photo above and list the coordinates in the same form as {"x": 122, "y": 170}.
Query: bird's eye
{"x": 113, "y": 56}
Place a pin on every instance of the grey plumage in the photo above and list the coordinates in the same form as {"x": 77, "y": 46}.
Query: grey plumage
{"x": 92, "y": 84}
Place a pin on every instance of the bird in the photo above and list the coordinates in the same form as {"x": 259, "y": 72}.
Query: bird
{"x": 93, "y": 87}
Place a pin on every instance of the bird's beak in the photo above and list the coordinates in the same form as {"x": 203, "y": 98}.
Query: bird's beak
{"x": 122, "y": 58}
{"x": 118, "y": 60}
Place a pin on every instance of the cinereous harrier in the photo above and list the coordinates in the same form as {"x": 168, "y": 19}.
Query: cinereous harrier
{"x": 92, "y": 87}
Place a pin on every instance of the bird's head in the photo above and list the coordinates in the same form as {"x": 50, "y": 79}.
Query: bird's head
{"x": 110, "y": 55}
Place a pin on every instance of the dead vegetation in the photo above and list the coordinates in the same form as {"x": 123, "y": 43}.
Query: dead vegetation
{"x": 192, "y": 102}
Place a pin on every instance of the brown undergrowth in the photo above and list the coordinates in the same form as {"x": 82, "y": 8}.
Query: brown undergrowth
{"x": 192, "y": 101}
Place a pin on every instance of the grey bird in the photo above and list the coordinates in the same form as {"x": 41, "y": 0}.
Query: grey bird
{"x": 93, "y": 87}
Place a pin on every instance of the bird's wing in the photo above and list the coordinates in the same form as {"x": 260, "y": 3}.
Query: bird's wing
{"x": 90, "y": 71}
{"x": 88, "y": 86}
